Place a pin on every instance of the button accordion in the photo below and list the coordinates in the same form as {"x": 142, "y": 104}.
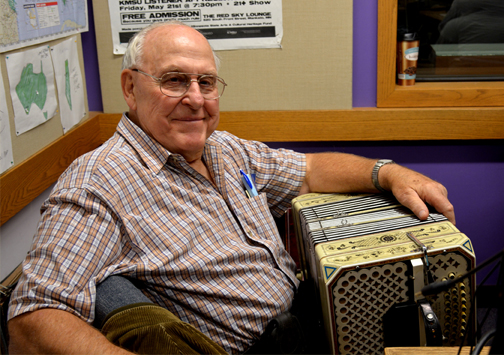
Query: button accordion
{"x": 367, "y": 256}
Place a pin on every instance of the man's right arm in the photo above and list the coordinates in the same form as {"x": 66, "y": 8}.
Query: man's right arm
{"x": 53, "y": 331}
{"x": 59, "y": 256}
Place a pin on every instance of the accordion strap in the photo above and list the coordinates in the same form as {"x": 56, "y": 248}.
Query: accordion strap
{"x": 431, "y": 322}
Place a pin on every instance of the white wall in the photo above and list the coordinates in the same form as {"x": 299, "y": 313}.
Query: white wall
{"x": 17, "y": 233}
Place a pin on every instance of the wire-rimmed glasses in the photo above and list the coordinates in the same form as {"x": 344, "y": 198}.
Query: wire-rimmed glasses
{"x": 175, "y": 84}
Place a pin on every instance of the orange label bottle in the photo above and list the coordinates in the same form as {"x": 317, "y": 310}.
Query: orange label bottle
{"x": 407, "y": 57}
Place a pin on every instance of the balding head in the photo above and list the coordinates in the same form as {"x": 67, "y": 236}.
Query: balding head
{"x": 135, "y": 50}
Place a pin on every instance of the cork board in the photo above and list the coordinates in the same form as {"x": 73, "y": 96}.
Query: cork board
{"x": 312, "y": 70}
{"x": 30, "y": 142}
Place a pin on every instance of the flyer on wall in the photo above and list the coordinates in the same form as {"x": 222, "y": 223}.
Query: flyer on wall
{"x": 227, "y": 24}
{"x": 28, "y": 22}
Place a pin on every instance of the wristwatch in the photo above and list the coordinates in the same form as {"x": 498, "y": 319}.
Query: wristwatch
{"x": 376, "y": 169}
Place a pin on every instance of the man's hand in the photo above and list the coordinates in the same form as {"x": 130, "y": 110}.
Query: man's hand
{"x": 342, "y": 173}
{"x": 414, "y": 190}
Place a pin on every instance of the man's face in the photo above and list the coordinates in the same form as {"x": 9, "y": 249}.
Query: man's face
{"x": 180, "y": 124}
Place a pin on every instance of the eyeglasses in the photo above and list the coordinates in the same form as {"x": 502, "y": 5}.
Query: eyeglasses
{"x": 175, "y": 84}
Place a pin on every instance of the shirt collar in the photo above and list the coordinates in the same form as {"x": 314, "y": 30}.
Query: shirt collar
{"x": 150, "y": 151}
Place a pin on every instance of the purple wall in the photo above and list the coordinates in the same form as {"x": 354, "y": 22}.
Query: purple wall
{"x": 473, "y": 171}
{"x": 92, "y": 73}
{"x": 365, "y": 26}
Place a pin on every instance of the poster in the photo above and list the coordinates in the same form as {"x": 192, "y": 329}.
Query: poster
{"x": 31, "y": 80}
{"x": 69, "y": 83}
{"x": 28, "y": 22}
{"x": 226, "y": 24}
{"x": 6, "y": 158}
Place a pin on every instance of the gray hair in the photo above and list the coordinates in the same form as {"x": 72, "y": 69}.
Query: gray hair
{"x": 134, "y": 51}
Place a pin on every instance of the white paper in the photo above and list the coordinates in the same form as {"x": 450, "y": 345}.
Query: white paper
{"x": 226, "y": 24}
{"x": 31, "y": 79}
{"x": 6, "y": 159}
{"x": 29, "y": 22}
{"x": 69, "y": 83}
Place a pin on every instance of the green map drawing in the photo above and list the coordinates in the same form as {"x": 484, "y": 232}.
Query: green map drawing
{"x": 32, "y": 88}
{"x": 12, "y": 5}
{"x": 67, "y": 85}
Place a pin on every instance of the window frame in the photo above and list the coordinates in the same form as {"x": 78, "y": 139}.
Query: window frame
{"x": 423, "y": 94}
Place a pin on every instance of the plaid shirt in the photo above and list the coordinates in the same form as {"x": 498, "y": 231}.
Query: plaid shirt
{"x": 207, "y": 253}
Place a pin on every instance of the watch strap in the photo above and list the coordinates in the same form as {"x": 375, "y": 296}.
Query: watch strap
{"x": 376, "y": 169}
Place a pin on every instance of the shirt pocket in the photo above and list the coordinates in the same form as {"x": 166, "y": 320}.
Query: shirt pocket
{"x": 256, "y": 218}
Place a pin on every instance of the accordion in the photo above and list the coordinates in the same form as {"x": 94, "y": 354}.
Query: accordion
{"x": 368, "y": 258}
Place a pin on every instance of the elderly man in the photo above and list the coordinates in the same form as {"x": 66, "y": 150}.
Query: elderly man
{"x": 163, "y": 202}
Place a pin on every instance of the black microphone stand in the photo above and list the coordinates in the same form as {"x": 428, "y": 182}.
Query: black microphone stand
{"x": 498, "y": 333}
{"x": 498, "y": 338}
{"x": 440, "y": 286}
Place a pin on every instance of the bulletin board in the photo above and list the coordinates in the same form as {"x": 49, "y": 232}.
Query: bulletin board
{"x": 35, "y": 139}
{"x": 312, "y": 70}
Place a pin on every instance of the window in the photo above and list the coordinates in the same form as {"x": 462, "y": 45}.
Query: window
{"x": 460, "y": 40}
{"x": 423, "y": 94}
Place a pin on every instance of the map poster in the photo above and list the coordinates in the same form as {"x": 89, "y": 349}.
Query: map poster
{"x": 6, "y": 157}
{"x": 227, "y": 24}
{"x": 28, "y": 22}
{"x": 69, "y": 82}
{"x": 31, "y": 80}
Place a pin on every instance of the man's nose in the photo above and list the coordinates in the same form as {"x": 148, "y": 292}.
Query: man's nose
{"x": 194, "y": 94}
{"x": 191, "y": 86}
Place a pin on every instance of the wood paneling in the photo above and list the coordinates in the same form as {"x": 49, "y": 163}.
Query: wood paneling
{"x": 366, "y": 124}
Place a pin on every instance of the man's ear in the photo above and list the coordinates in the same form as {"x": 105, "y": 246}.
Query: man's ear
{"x": 127, "y": 86}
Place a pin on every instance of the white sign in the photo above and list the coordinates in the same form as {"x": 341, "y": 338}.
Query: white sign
{"x": 69, "y": 83}
{"x": 31, "y": 79}
{"x": 227, "y": 24}
{"x": 6, "y": 159}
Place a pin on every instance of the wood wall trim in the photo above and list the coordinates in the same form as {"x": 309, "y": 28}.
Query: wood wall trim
{"x": 443, "y": 94}
{"x": 27, "y": 180}
{"x": 366, "y": 124}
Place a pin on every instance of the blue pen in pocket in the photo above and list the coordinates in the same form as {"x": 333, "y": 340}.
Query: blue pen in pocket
{"x": 249, "y": 185}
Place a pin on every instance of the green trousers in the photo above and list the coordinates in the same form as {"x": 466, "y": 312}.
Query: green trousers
{"x": 151, "y": 329}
